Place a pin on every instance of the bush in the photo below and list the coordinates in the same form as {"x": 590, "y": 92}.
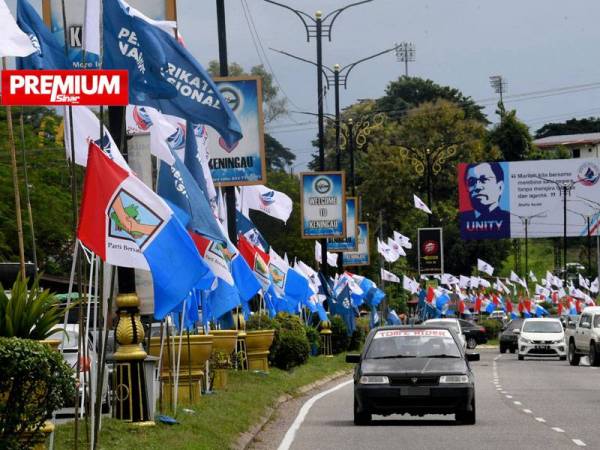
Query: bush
{"x": 34, "y": 382}
{"x": 339, "y": 335}
{"x": 261, "y": 322}
{"x": 360, "y": 333}
{"x": 492, "y": 327}
{"x": 314, "y": 339}
{"x": 290, "y": 346}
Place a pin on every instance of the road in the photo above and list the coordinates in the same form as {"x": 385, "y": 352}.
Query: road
{"x": 532, "y": 404}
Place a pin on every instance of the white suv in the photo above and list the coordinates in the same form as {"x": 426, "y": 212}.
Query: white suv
{"x": 542, "y": 337}
{"x": 452, "y": 324}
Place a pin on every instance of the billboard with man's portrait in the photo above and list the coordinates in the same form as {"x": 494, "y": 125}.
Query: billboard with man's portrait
{"x": 499, "y": 199}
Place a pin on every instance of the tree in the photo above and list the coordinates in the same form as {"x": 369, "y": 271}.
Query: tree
{"x": 511, "y": 136}
{"x": 273, "y": 105}
{"x": 409, "y": 92}
{"x": 571, "y": 126}
{"x": 278, "y": 156}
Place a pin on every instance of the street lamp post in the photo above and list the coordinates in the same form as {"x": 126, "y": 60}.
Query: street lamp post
{"x": 316, "y": 29}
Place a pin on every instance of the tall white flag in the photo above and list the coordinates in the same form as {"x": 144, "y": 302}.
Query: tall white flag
{"x": 269, "y": 201}
{"x": 389, "y": 276}
{"x": 386, "y": 251}
{"x": 420, "y": 204}
{"x": 13, "y": 41}
{"x": 331, "y": 257}
{"x": 396, "y": 247}
{"x": 482, "y": 266}
{"x": 402, "y": 240}
{"x": 532, "y": 276}
{"x": 594, "y": 286}
{"x": 410, "y": 284}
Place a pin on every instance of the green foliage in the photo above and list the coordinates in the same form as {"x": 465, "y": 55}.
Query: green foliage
{"x": 290, "y": 346}
{"x": 492, "y": 327}
{"x": 360, "y": 333}
{"x": 29, "y": 314}
{"x": 571, "y": 126}
{"x": 511, "y": 136}
{"x": 278, "y": 157}
{"x": 339, "y": 335}
{"x": 312, "y": 334}
{"x": 220, "y": 360}
{"x": 34, "y": 382}
{"x": 261, "y": 322}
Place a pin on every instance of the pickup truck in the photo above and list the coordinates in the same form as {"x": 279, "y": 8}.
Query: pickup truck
{"x": 583, "y": 337}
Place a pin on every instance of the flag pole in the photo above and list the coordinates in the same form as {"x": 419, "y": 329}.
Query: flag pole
{"x": 27, "y": 199}
{"x": 15, "y": 179}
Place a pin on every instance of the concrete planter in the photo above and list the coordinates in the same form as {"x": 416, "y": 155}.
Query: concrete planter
{"x": 258, "y": 343}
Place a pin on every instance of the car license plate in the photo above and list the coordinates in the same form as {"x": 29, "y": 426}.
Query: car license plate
{"x": 542, "y": 347}
{"x": 415, "y": 391}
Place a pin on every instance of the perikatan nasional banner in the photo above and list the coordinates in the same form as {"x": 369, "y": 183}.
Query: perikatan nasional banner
{"x": 243, "y": 163}
{"x": 361, "y": 256}
{"x": 323, "y": 204}
{"x": 349, "y": 243}
{"x": 497, "y": 199}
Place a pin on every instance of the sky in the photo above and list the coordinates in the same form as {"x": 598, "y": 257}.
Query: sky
{"x": 536, "y": 45}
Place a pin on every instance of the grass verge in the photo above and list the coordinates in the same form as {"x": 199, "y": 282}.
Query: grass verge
{"x": 218, "y": 419}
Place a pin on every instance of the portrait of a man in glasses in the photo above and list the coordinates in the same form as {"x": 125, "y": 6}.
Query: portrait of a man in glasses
{"x": 486, "y": 185}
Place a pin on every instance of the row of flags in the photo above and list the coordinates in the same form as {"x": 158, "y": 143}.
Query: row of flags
{"x": 393, "y": 248}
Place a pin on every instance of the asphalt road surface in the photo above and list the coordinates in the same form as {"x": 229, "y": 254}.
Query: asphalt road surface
{"x": 532, "y": 404}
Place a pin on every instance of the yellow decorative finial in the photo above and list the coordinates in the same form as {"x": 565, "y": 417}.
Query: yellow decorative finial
{"x": 336, "y": 67}
{"x": 318, "y": 14}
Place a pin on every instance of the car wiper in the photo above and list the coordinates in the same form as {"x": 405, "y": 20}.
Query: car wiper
{"x": 442, "y": 355}
{"x": 393, "y": 356}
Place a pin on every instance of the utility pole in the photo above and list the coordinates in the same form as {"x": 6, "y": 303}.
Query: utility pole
{"x": 224, "y": 72}
{"x": 498, "y": 82}
{"x": 382, "y": 265}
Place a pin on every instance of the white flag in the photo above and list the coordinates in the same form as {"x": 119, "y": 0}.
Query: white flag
{"x": 278, "y": 269}
{"x": 482, "y": 266}
{"x": 331, "y": 257}
{"x": 484, "y": 283}
{"x": 410, "y": 284}
{"x": 91, "y": 27}
{"x": 86, "y": 128}
{"x": 13, "y": 41}
{"x": 540, "y": 290}
{"x": 474, "y": 283}
{"x": 594, "y": 286}
{"x": 386, "y": 251}
{"x": 389, "y": 276}
{"x": 464, "y": 282}
{"x": 532, "y": 276}
{"x": 420, "y": 204}
{"x": 396, "y": 247}
{"x": 514, "y": 277}
{"x": 204, "y": 158}
{"x": 448, "y": 279}
{"x": 269, "y": 201}
{"x": 402, "y": 240}
{"x": 583, "y": 282}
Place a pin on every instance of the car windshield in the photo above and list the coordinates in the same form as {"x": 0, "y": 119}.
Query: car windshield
{"x": 550, "y": 326}
{"x": 413, "y": 344}
{"x": 514, "y": 324}
{"x": 451, "y": 324}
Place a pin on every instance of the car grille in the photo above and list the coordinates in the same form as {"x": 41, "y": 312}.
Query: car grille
{"x": 542, "y": 342}
{"x": 414, "y": 381}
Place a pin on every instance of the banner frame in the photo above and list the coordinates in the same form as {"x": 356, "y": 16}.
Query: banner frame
{"x": 368, "y": 263}
{"x": 356, "y": 219}
{"x": 441, "y": 230}
{"x": 330, "y": 172}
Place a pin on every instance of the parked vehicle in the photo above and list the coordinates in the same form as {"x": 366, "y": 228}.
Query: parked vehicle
{"x": 583, "y": 339}
{"x": 509, "y": 336}
{"x": 498, "y": 315}
{"x": 542, "y": 337}
{"x": 474, "y": 334}
{"x": 451, "y": 324}
{"x": 416, "y": 370}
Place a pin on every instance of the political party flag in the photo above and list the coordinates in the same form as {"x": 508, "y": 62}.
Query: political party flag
{"x": 162, "y": 73}
{"x": 13, "y": 41}
{"x": 196, "y": 160}
{"x": 420, "y": 204}
{"x": 91, "y": 27}
{"x": 126, "y": 224}
{"x": 583, "y": 282}
{"x": 410, "y": 284}
{"x": 269, "y": 201}
{"x": 532, "y": 276}
{"x": 594, "y": 286}
{"x": 176, "y": 185}
{"x": 49, "y": 53}
{"x": 402, "y": 240}
{"x": 482, "y": 266}
{"x": 162, "y": 133}
{"x": 257, "y": 260}
{"x": 247, "y": 228}
{"x": 386, "y": 251}
{"x": 331, "y": 257}
{"x": 515, "y": 278}
{"x": 397, "y": 248}
{"x": 86, "y": 129}
{"x": 215, "y": 255}
{"x": 389, "y": 276}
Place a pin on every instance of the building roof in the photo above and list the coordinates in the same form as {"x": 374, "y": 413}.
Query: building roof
{"x": 568, "y": 139}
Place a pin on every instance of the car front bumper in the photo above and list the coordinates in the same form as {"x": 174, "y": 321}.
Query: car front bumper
{"x": 416, "y": 400}
{"x": 542, "y": 350}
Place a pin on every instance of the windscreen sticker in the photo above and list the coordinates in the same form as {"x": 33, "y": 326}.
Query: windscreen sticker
{"x": 394, "y": 333}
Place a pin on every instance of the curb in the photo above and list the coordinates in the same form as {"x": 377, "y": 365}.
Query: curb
{"x": 247, "y": 437}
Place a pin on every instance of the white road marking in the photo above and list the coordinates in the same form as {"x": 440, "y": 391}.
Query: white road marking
{"x": 527, "y": 411}
{"x": 509, "y": 396}
{"x": 288, "y": 439}
{"x": 503, "y": 392}
{"x": 579, "y": 442}
{"x": 558, "y": 430}
{"x": 540, "y": 419}
{"x": 517, "y": 403}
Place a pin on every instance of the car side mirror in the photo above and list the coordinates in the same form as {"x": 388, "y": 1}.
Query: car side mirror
{"x": 517, "y": 331}
{"x": 473, "y": 357}
{"x": 353, "y": 358}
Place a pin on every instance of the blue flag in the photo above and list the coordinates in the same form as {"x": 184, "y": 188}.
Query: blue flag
{"x": 162, "y": 73}
{"x": 342, "y": 306}
{"x": 191, "y": 159}
{"x": 176, "y": 185}
{"x": 246, "y": 227}
{"x": 223, "y": 299}
{"x": 50, "y": 53}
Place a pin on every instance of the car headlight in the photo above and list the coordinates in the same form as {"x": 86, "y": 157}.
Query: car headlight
{"x": 450, "y": 379}
{"x": 558, "y": 341}
{"x": 374, "y": 379}
{"x": 525, "y": 340}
